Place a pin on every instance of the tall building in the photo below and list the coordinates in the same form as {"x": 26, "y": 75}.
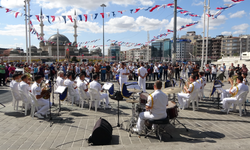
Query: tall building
{"x": 199, "y": 43}
{"x": 247, "y": 37}
{"x": 216, "y": 47}
{"x": 161, "y": 50}
{"x": 231, "y": 45}
{"x": 114, "y": 52}
{"x": 141, "y": 54}
{"x": 183, "y": 49}
{"x": 191, "y": 35}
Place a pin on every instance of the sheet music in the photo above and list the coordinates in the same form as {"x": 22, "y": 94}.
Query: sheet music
{"x": 107, "y": 86}
{"x": 133, "y": 85}
{"x": 60, "y": 89}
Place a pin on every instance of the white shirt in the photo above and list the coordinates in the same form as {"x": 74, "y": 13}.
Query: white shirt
{"x": 95, "y": 85}
{"x": 77, "y": 70}
{"x": 81, "y": 85}
{"x": 158, "y": 103}
{"x": 142, "y": 71}
{"x": 131, "y": 68}
{"x": 239, "y": 89}
{"x": 214, "y": 70}
{"x": 59, "y": 81}
{"x": 71, "y": 86}
{"x": 156, "y": 70}
{"x": 24, "y": 88}
{"x": 46, "y": 72}
{"x": 245, "y": 81}
{"x": 14, "y": 88}
{"x": 31, "y": 69}
{"x": 90, "y": 69}
{"x": 121, "y": 71}
{"x": 36, "y": 90}
{"x": 193, "y": 86}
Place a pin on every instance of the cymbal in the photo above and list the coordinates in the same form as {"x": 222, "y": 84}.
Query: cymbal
{"x": 134, "y": 90}
{"x": 172, "y": 90}
{"x": 132, "y": 101}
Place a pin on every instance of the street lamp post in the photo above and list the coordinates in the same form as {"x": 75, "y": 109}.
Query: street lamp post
{"x": 26, "y": 31}
{"x": 28, "y": 2}
{"x": 175, "y": 32}
{"x": 103, "y": 5}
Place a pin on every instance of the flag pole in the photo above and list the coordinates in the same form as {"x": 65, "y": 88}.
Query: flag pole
{"x": 57, "y": 45}
{"x": 203, "y": 39}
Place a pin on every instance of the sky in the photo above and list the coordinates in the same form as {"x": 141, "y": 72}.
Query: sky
{"x": 124, "y": 27}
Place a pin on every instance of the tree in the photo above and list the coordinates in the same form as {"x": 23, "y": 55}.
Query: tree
{"x": 74, "y": 59}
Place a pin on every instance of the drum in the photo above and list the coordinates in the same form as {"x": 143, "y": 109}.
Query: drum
{"x": 144, "y": 98}
{"x": 172, "y": 110}
{"x": 139, "y": 109}
{"x": 117, "y": 77}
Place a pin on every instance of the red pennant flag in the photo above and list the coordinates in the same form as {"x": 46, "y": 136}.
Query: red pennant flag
{"x": 156, "y": 6}
{"x": 70, "y": 18}
{"x": 120, "y": 12}
{"x": 67, "y": 49}
{"x": 86, "y": 17}
{"x": 7, "y": 10}
{"x": 53, "y": 18}
{"x": 136, "y": 10}
{"x": 102, "y": 15}
{"x": 16, "y": 14}
{"x": 37, "y": 17}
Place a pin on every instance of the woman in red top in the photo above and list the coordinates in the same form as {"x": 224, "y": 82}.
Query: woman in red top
{"x": 11, "y": 70}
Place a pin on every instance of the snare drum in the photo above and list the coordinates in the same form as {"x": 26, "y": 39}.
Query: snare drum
{"x": 143, "y": 98}
{"x": 172, "y": 110}
{"x": 139, "y": 109}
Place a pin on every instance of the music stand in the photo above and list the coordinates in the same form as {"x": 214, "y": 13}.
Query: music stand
{"x": 60, "y": 90}
{"x": 2, "y": 105}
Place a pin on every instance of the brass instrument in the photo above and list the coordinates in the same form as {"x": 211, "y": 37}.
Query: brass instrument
{"x": 233, "y": 81}
{"x": 187, "y": 83}
{"x": 45, "y": 91}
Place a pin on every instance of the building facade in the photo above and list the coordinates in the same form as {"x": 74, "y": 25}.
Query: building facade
{"x": 161, "y": 50}
{"x": 114, "y": 52}
{"x": 183, "y": 49}
{"x": 231, "y": 46}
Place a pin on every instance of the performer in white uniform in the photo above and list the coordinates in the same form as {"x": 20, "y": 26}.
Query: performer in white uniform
{"x": 37, "y": 92}
{"x": 244, "y": 75}
{"x": 14, "y": 86}
{"x": 142, "y": 73}
{"x": 24, "y": 87}
{"x": 156, "y": 107}
{"x": 192, "y": 87}
{"x": 96, "y": 85}
{"x": 235, "y": 91}
{"x": 60, "y": 78}
{"x": 71, "y": 87}
{"x": 183, "y": 71}
{"x": 203, "y": 82}
{"x": 81, "y": 85}
{"x": 123, "y": 75}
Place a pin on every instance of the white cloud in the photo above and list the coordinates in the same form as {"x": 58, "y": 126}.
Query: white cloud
{"x": 240, "y": 29}
{"x": 12, "y": 3}
{"x": 151, "y": 24}
{"x": 196, "y": 3}
{"x": 89, "y": 5}
{"x": 238, "y": 14}
{"x": 227, "y": 0}
{"x": 213, "y": 23}
{"x": 15, "y": 39}
{"x": 13, "y": 30}
{"x": 226, "y": 33}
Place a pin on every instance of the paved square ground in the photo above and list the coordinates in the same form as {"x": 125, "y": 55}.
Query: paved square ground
{"x": 208, "y": 128}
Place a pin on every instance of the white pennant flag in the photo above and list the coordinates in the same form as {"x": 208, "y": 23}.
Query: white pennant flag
{"x": 59, "y": 19}
{"x": 91, "y": 16}
{"x": 108, "y": 14}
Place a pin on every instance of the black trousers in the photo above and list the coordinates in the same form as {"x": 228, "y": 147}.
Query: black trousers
{"x": 2, "y": 78}
{"x": 165, "y": 75}
{"x": 177, "y": 73}
{"x": 207, "y": 75}
{"x": 156, "y": 74}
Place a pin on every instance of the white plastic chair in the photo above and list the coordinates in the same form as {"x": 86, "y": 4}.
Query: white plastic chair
{"x": 94, "y": 97}
{"x": 83, "y": 97}
{"x": 26, "y": 104}
{"x": 71, "y": 93}
{"x": 240, "y": 100}
{"x": 34, "y": 105}
{"x": 193, "y": 98}
{"x": 15, "y": 101}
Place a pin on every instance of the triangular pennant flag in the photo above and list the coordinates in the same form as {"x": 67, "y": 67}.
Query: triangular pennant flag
{"x": 37, "y": 17}
{"x": 91, "y": 16}
{"x": 156, "y": 6}
{"x": 108, "y": 14}
{"x": 53, "y": 18}
{"x": 136, "y": 10}
{"x": 120, "y": 12}
{"x": 64, "y": 17}
{"x": 48, "y": 19}
{"x": 1, "y": 7}
{"x": 131, "y": 11}
{"x": 70, "y": 18}
{"x": 102, "y": 15}
{"x": 59, "y": 19}
{"x": 7, "y": 10}
{"x": 16, "y": 14}
{"x": 113, "y": 14}
{"x": 96, "y": 14}
{"x": 86, "y": 17}
{"x": 148, "y": 8}
{"x": 80, "y": 17}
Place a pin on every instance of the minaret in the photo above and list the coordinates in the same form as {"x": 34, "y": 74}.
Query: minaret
{"x": 41, "y": 24}
{"x": 75, "y": 28}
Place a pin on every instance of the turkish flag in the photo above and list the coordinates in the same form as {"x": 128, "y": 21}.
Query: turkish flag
{"x": 67, "y": 49}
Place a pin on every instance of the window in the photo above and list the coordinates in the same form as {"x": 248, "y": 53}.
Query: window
{"x": 236, "y": 40}
{"x": 228, "y": 40}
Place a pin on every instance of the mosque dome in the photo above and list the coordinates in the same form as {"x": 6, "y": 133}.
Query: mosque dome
{"x": 62, "y": 38}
